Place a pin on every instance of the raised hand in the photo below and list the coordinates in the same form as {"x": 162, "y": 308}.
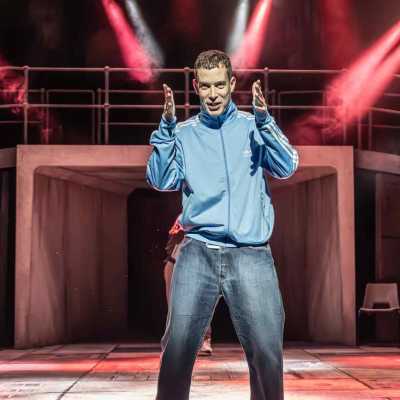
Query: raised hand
{"x": 258, "y": 97}
{"x": 169, "y": 104}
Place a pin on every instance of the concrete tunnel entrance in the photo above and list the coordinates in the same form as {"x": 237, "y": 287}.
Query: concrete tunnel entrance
{"x": 96, "y": 245}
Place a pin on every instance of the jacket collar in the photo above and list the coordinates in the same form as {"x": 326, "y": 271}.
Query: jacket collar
{"x": 216, "y": 122}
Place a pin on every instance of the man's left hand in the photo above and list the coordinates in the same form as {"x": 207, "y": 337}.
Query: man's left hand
{"x": 259, "y": 101}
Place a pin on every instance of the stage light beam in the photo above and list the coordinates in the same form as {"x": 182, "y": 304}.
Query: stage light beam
{"x": 239, "y": 26}
{"x": 360, "y": 86}
{"x": 144, "y": 34}
{"x": 248, "y": 54}
{"x": 133, "y": 53}
{"x": 354, "y": 92}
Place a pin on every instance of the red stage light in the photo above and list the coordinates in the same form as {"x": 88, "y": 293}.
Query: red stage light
{"x": 357, "y": 89}
{"x": 12, "y": 86}
{"x": 249, "y": 52}
{"x": 133, "y": 53}
{"x": 352, "y": 93}
{"x": 12, "y": 91}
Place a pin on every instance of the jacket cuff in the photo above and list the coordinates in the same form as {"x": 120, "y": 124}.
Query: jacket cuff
{"x": 167, "y": 123}
{"x": 262, "y": 116}
{"x": 165, "y": 131}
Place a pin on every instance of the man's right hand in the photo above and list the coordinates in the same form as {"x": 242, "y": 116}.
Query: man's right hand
{"x": 169, "y": 105}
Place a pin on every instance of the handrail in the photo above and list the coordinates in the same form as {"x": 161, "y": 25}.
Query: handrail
{"x": 102, "y": 104}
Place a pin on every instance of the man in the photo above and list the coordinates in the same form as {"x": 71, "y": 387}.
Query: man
{"x": 176, "y": 235}
{"x": 217, "y": 159}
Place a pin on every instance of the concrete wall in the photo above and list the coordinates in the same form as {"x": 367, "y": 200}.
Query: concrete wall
{"x": 71, "y": 237}
{"x": 78, "y": 284}
{"x": 313, "y": 244}
{"x": 305, "y": 245}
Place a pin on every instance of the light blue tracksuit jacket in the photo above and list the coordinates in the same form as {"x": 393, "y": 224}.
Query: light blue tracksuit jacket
{"x": 218, "y": 164}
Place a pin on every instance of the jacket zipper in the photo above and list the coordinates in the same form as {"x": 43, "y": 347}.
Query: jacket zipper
{"x": 227, "y": 180}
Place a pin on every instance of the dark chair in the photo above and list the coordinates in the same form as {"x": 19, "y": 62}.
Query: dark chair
{"x": 380, "y": 298}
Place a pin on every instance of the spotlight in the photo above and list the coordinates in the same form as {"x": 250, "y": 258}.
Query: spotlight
{"x": 133, "y": 53}
{"x": 354, "y": 92}
{"x": 360, "y": 86}
{"x": 13, "y": 92}
{"x": 143, "y": 32}
{"x": 249, "y": 52}
{"x": 239, "y": 26}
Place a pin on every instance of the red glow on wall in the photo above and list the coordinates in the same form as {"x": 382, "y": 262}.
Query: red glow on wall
{"x": 185, "y": 14}
{"x": 341, "y": 38}
{"x": 12, "y": 86}
{"x": 133, "y": 53}
{"x": 12, "y": 91}
{"x": 249, "y": 52}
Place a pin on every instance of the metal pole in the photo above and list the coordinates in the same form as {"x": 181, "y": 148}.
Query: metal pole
{"x": 42, "y": 95}
{"x": 324, "y": 118}
{"x": 99, "y": 101}
{"x": 359, "y": 132}
{"x": 26, "y": 102}
{"x": 273, "y": 97}
{"x": 93, "y": 96}
{"x": 47, "y": 109}
{"x": 266, "y": 83}
{"x": 370, "y": 130}
{"x": 106, "y": 104}
{"x": 42, "y": 100}
{"x": 187, "y": 94}
{"x": 279, "y": 116}
{"x": 344, "y": 136}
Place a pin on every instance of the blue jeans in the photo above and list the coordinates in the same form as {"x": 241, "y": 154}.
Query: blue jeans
{"x": 246, "y": 278}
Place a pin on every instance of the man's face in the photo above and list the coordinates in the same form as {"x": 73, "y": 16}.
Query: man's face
{"x": 214, "y": 89}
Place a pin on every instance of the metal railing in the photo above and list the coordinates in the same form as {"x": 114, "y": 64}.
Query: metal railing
{"x": 101, "y": 104}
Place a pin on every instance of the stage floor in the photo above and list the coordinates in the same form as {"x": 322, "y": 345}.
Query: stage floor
{"x": 129, "y": 371}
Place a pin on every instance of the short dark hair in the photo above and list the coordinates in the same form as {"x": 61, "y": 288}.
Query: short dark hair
{"x": 213, "y": 59}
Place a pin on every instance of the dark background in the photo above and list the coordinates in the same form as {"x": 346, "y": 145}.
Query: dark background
{"x": 77, "y": 33}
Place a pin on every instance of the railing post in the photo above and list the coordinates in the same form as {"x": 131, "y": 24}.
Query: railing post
{"x": 106, "y": 104}
{"x": 273, "y": 97}
{"x": 47, "y": 110}
{"x": 344, "y": 136}
{"x": 370, "y": 130}
{"x": 99, "y": 102}
{"x": 26, "y": 103}
{"x": 266, "y": 84}
{"x": 187, "y": 92}
{"x": 42, "y": 95}
{"x": 359, "y": 132}
{"x": 93, "y": 97}
{"x": 42, "y": 100}
{"x": 324, "y": 113}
